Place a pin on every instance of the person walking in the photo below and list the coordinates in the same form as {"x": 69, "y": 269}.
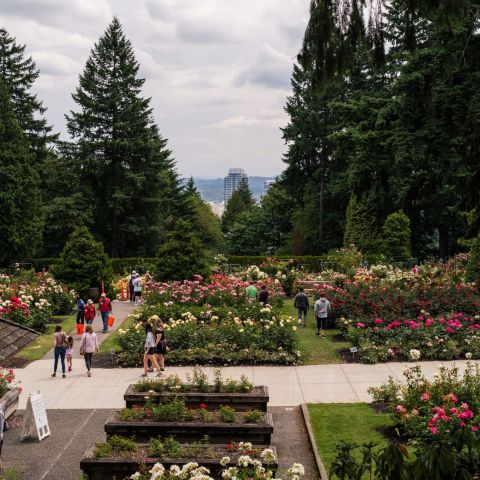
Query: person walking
{"x": 130, "y": 286}
{"x": 160, "y": 344}
{"x": 80, "y": 311}
{"x": 88, "y": 346}
{"x": 251, "y": 293}
{"x": 149, "y": 355}
{"x": 322, "y": 309}
{"x": 137, "y": 288}
{"x": 60, "y": 344}
{"x": 69, "y": 353}
{"x": 90, "y": 312}
{"x": 105, "y": 309}
{"x": 263, "y": 295}
{"x": 302, "y": 305}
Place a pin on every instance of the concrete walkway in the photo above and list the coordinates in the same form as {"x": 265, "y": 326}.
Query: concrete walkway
{"x": 289, "y": 386}
{"x": 120, "y": 310}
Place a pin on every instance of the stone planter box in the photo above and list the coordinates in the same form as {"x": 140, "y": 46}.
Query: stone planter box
{"x": 9, "y": 402}
{"x": 256, "y": 399}
{"x": 109, "y": 468}
{"x": 142, "y": 431}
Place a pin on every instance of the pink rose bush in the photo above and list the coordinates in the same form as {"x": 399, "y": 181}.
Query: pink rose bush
{"x": 439, "y": 408}
{"x": 7, "y": 381}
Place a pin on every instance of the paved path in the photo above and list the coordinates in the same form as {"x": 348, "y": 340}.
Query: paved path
{"x": 344, "y": 383}
{"x": 120, "y": 310}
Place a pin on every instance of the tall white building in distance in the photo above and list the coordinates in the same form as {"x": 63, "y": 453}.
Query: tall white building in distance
{"x": 232, "y": 181}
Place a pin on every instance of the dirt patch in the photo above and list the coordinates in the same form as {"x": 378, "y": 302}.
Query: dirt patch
{"x": 16, "y": 362}
{"x": 380, "y": 407}
{"x": 105, "y": 360}
{"x": 394, "y": 433}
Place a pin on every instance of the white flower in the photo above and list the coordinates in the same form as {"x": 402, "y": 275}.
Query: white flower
{"x": 468, "y": 355}
{"x": 157, "y": 471}
{"x": 245, "y": 446}
{"x": 224, "y": 461}
{"x": 175, "y": 470}
{"x": 135, "y": 476}
{"x": 414, "y": 354}
{"x": 297, "y": 469}
{"x": 267, "y": 455}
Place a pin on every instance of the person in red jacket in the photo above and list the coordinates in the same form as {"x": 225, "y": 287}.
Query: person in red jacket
{"x": 89, "y": 312}
{"x": 105, "y": 309}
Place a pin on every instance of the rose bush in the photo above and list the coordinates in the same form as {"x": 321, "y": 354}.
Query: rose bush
{"x": 7, "y": 381}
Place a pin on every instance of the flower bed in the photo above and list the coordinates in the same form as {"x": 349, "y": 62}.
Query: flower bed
{"x": 141, "y": 424}
{"x": 104, "y": 461}
{"x": 243, "y": 334}
{"x": 31, "y": 299}
{"x": 241, "y": 395}
{"x": 9, "y": 391}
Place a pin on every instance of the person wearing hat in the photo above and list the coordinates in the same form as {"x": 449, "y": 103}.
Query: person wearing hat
{"x": 105, "y": 306}
{"x": 90, "y": 312}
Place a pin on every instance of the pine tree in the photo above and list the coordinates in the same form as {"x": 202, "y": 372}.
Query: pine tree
{"x": 18, "y": 73}
{"x": 240, "y": 201}
{"x": 21, "y": 214}
{"x": 396, "y": 237}
{"x": 359, "y": 226}
{"x": 182, "y": 256}
{"x": 122, "y": 160}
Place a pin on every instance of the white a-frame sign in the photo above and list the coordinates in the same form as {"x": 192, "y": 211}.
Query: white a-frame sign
{"x": 35, "y": 423}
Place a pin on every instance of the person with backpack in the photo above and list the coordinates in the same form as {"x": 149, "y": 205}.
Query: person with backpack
{"x": 80, "y": 311}
{"x": 105, "y": 309}
{"x": 302, "y": 305}
{"x": 322, "y": 310}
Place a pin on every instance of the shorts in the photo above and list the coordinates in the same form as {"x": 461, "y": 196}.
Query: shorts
{"x": 138, "y": 294}
{"x": 322, "y": 322}
{"x": 151, "y": 351}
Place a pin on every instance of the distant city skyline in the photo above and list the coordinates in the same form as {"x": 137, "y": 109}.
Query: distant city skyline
{"x": 232, "y": 181}
{"x": 218, "y": 73}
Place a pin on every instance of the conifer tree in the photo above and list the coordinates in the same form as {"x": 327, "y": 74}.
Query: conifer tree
{"x": 21, "y": 214}
{"x": 359, "y": 226}
{"x": 240, "y": 201}
{"x": 18, "y": 73}
{"x": 122, "y": 160}
{"x": 396, "y": 237}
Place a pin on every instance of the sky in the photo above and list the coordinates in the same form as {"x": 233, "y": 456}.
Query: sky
{"x": 218, "y": 71}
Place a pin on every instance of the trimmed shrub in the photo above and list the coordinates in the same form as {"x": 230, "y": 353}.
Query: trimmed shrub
{"x": 83, "y": 263}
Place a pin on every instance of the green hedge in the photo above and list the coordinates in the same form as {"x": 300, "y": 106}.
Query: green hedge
{"x": 308, "y": 262}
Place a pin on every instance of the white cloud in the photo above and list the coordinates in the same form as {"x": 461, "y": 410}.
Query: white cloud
{"x": 217, "y": 71}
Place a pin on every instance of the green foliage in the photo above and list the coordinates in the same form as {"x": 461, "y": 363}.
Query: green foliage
{"x": 182, "y": 256}
{"x": 253, "y": 416}
{"x": 21, "y": 213}
{"x": 245, "y": 234}
{"x": 114, "y": 446}
{"x": 83, "y": 262}
{"x": 473, "y": 263}
{"x": 121, "y": 160}
{"x": 359, "y": 226}
{"x": 241, "y": 201}
{"x": 227, "y": 414}
{"x": 396, "y": 237}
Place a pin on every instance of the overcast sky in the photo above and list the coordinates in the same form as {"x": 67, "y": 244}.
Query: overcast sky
{"x": 218, "y": 71}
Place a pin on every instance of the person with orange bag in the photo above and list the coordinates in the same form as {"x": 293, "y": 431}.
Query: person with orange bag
{"x": 105, "y": 310}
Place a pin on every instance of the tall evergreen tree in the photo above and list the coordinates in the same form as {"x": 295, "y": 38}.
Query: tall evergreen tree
{"x": 121, "y": 159}
{"x": 18, "y": 73}
{"x": 21, "y": 214}
{"x": 240, "y": 201}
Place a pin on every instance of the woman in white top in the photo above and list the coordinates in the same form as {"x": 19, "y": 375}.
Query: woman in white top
{"x": 149, "y": 354}
{"x": 88, "y": 346}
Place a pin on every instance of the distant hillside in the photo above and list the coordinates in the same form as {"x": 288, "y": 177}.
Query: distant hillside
{"x": 211, "y": 189}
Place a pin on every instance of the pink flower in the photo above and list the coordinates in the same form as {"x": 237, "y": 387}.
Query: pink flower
{"x": 434, "y": 430}
{"x": 360, "y": 325}
{"x": 473, "y": 428}
{"x": 426, "y": 396}
{"x": 378, "y": 321}
{"x": 400, "y": 409}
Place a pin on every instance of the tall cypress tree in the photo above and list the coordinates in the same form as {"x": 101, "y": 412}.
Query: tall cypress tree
{"x": 240, "y": 201}
{"x": 121, "y": 158}
{"x": 21, "y": 213}
{"x": 18, "y": 74}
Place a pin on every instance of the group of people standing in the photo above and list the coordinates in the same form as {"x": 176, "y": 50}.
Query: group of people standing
{"x": 322, "y": 310}
{"x": 252, "y": 294}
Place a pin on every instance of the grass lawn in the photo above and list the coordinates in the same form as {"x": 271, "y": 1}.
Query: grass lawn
{"x": 42, "y": 344}
{"x": 351, "y": 422}
{"x": 109, "y": 343}
{"x": 316, "y": 350}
